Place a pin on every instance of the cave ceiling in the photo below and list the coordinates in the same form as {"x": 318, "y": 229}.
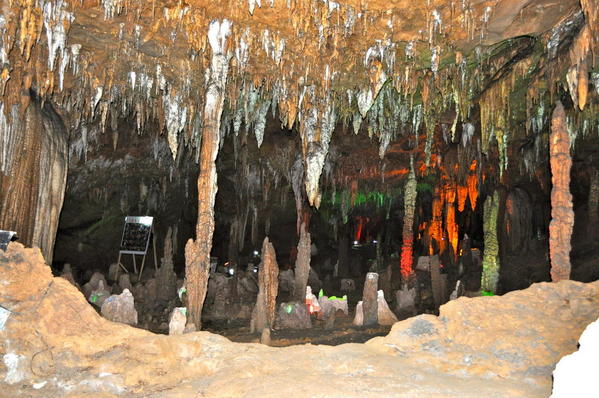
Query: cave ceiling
{"x": 415, "y": 77}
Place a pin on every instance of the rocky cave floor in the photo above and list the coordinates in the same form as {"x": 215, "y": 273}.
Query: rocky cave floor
{"x": 54, "y": 344}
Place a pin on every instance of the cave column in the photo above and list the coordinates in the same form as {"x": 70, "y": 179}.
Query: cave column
{"x": 302, "y": 265}
{"x": 33, "y": 173}
{"x": 197, "y": 252}
{"x": 408, "y": 226}
{"x": 562, "y": 216}
{"x": 490, "y": 274}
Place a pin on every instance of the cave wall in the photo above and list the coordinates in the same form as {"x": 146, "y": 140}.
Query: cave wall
{"x": 33, "y": 174}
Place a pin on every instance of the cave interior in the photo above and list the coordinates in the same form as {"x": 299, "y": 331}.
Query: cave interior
{"x": 450, "y": 147}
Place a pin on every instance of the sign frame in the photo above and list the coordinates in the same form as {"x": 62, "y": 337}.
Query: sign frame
{"x": 148, "y": 222}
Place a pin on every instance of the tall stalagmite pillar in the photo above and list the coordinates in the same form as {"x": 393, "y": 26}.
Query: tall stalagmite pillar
{"x": 263, "y": 316}
{"x": 197, "y": 253}
{"x": 562, "y": 216}
{"x": 491, "y": 254}
{"x": 302, "y": 265}
{"x": 408, "y": 225}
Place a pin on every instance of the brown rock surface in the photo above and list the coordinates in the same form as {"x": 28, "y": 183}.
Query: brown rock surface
{"x": 491, "y": 346}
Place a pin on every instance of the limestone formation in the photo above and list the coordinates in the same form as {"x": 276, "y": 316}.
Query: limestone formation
{"x": 263, "y": 315}
{"x": 125, "y": 282}
{"x": 384, "y": 314}
{"x": 293, "y": 315}
{"x": 370, "y": 299}
{"x": 33, "y": 171}
{"x": 490, "y": 275}
{"x": 197, "y": 252}
{"x": 562, "y": 216}
{"x": 405, "y": 299}
{"x": 98, "y": 295}
{"x": 302, "y": 265}
{"x": 286, "y": 283}
{"x": 93, "y": 283}
{"x": 120, "y": 308}
{"x": 177, "y": 321}
{"x": 359, "y": 315}
{"x": 408, "y": 224}
{"x": 113, "y": 272}
{"x": 166, "y": 277}
{"x": 505, "y": 345}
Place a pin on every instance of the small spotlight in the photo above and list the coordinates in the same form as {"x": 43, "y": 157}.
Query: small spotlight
{"x": 255, "y": 252}
{"x": 231, "y": 271}
{"x": 356, "y": 242}
{"x": 375, "y": 241}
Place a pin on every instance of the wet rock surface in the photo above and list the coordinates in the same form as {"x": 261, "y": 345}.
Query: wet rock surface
{"x": 54, "y": 344}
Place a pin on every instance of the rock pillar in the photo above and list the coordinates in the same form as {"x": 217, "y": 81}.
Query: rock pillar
{"x": 408, "y": 225}
{"x": 197, "y": 252}
{"x": 490, "y": 274}
{"x": 302, "y": 266}
{"x": 562, "y": 216}
{"x": 370, "y": 299}
{"x": 263, "y": 316}
{"x": 33, "y": 173}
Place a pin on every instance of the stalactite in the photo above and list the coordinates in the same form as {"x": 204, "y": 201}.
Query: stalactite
{"x": 472, "y": 182}
{"x": 302, "y": 265}
{"x": 490, "y": 274}
{"x": 408, "y": 224}
{"x": 462, "y": 192}
{"x": 263, "y": 315}
{"x": 197, "y": 253}
{"x": 436, "y": 224}
{"x": 562, "y": 216}
{"x": 450, "y": 223}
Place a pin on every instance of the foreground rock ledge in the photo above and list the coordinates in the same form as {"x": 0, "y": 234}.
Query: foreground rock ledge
{"x": 55, "y": 345}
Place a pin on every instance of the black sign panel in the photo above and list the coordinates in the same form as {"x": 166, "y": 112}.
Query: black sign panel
{"x": 136, "y": 235}
{"x": 5, "y": 238}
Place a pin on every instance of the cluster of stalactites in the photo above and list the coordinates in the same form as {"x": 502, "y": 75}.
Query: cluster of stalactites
{"x": 448, "y": 197}
{"x": 393, "y": 91}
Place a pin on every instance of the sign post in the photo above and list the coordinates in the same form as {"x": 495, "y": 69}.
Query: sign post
{"x": 136, "y": 239}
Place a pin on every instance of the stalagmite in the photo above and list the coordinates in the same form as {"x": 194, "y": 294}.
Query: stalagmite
{"x": 490, "y": 274}
{"x": 197, "y": 253}
{"x": 408, "y": 224}
{"x": 562, "y": 216}
{"x": 263, "y": 316}
{"x": 302, "y": 265}
{"x": 370, "y": 299}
